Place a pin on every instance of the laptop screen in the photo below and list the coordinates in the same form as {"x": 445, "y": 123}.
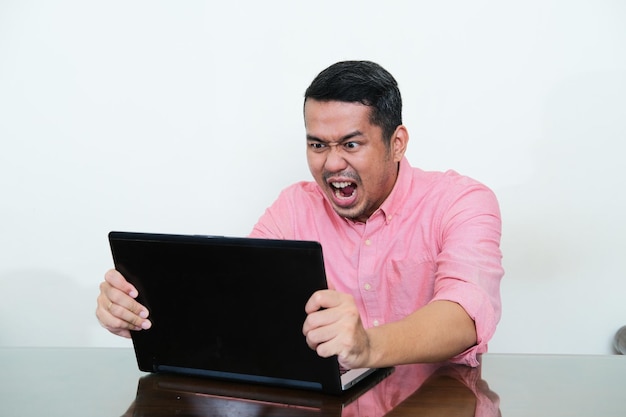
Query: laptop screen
{"x": 226, "y": 307}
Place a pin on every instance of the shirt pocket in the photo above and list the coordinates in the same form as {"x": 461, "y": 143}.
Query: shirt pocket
{"x": 409, "y": 285}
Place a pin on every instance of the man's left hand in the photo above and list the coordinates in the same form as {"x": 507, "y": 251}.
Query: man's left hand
{"x": 333, "y": 327}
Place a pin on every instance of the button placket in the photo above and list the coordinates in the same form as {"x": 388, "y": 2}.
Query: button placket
{"x": 368, "y": 279}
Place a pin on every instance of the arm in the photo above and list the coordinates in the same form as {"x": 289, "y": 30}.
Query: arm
{"x": 462, "y": 313}
{"x": 436, "y": 332}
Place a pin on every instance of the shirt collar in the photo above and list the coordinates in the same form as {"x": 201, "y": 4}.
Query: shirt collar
{"x": 394, "y": 201}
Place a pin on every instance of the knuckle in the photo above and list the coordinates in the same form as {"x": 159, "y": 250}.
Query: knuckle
{"x": 109, "y": 275}
{"x": 98, "y": 315}
{"x": 135, "y": 307}
{"x": 135, "y": 321}
{"x": 323, "y": 351}
{"x": 118, "y": 324}
{"x": 318, "y": 297}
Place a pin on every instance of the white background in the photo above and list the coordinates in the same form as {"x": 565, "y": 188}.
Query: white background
{"x": 186, "y": 117}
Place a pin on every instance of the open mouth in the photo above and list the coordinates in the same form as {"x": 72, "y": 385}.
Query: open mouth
{"x": 343, "y": 189}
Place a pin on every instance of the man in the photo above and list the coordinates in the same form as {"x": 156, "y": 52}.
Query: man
{"x": 412, "y": 257}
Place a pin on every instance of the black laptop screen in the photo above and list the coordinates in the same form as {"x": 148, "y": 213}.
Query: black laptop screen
{"x": 230, "y": 305}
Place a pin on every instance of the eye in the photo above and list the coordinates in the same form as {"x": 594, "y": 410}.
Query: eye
{"x": 316, "y": 146}
{"x": 351, "y": 145}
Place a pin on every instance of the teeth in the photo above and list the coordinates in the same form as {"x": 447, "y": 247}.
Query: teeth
{"x": 340, "y": 184}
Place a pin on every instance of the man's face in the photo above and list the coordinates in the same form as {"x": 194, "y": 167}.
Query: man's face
{"x": 348, "y": 157}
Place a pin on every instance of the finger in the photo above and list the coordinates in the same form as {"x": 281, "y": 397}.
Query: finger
{"x": 350, "y": 349}
{"x": 327, "y": 342}
{"x": 327, "y": 308}
{"x": 325, "y": 325}
{"x": 115, "y": 296}
{"x": 117, "y": 310}
{"x": 119, "y": 290}
{"x": 316, "y": 336}
{"x": 128, "y": 319}
{"x": 322, "y": 299}
{"x": 116, "y": 327}
{"x": 117, "y": 280}
{"x": 318, "y": 319}
{"x": 117, "y": 319}
{"x": 112, "y": 323}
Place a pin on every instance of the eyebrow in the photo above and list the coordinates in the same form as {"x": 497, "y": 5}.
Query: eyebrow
{"x": 341, "y": 140}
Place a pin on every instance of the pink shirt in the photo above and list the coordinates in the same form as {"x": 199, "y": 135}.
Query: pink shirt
{"x": 436, "y": 237}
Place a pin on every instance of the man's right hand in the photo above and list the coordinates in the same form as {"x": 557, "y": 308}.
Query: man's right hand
{"x": 117, "y": 309}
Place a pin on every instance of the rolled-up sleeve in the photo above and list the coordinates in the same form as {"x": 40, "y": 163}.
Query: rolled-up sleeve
{"x": 469, "y": 267}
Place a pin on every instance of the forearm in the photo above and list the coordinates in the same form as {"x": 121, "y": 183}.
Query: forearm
{"x": 436, "y": 332}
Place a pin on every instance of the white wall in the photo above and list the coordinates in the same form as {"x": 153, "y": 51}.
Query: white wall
{"x": 186, "y": 117}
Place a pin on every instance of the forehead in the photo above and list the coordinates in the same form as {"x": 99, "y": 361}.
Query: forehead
{"x": 335, "y": 119}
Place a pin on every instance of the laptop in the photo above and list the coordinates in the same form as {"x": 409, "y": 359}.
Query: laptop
{"x": 229, "y": 308}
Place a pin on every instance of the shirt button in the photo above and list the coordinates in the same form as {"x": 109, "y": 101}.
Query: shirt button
{"x": 368, "y": 242}
{"x": 367, "y": 287}
{"x": 376, "y": 323}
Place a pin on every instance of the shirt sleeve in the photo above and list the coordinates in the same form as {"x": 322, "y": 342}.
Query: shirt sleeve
{"x": 469, "y": 267}
{"x": 276, "y": 221}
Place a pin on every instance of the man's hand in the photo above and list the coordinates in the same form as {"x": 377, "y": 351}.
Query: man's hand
{"x": 333, "y": 327}
{"x": 117, "y": 310}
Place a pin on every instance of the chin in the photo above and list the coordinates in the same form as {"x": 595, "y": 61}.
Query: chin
{"x": 349, "y": 213}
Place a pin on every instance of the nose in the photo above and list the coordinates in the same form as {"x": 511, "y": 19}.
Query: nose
{"x": 335, "y": 161}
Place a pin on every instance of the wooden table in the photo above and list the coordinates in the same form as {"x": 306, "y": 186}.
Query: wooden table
{"x": 105, "y": 382}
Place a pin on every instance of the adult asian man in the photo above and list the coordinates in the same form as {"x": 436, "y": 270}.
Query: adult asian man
{"x": 412, "y": 257}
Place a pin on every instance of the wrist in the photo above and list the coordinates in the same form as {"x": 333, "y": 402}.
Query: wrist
{"x": 374, "y": 358}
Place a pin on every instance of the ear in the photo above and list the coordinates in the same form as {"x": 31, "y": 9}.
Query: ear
{"x": 399, "y": 142}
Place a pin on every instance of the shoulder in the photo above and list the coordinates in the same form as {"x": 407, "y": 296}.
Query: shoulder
{"x": 302, "y": 187}
{"x": 444, "y": 179}
{"x": 463, "y": 199}
{"x": 279, "y": 219}
{"x": 300, "y": 191}
{"x": 444, "y": 194}
{"x": 297, "y": 198}
{"x": 437, "y": 185}
{"x": 450, "y": 184}
{"x": 417, "y": 181}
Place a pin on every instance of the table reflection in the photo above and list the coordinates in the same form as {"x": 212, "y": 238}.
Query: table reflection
{"x": 432, "y": 390}
{"x": 448, "y": 390}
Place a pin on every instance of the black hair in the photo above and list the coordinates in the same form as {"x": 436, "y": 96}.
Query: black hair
{"x": 362, "y": 82}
